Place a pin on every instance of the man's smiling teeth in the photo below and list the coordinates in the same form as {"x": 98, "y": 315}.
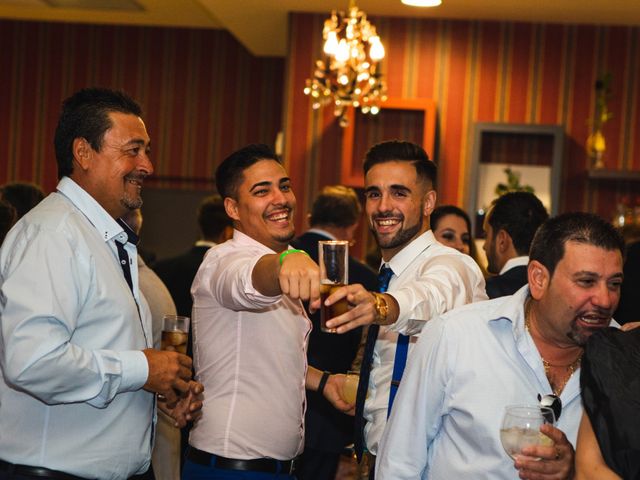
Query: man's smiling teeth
{"x": 593, "y": 319}
{"x": 387, "y": 222}
{"x": 279, "y": 216}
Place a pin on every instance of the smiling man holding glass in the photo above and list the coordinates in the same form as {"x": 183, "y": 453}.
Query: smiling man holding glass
{"x": 250, "y": 330}
{"x": 78, "y": 371}
{"x": 525, "y": 349}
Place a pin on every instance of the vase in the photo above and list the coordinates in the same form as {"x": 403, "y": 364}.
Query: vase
{"x": 596, "y": 145}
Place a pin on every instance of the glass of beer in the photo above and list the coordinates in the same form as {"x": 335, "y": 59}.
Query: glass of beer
{"x": 350, "y": 387}
{"x": 333, "y": 259}
{"x": 175, "y": 333}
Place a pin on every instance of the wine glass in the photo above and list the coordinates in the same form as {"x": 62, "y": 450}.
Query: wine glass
{"x": 521, "y": 427}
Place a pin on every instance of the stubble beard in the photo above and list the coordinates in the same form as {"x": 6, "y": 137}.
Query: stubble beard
{"x": 401, "y": 238}
{"x": 131, "y": 203}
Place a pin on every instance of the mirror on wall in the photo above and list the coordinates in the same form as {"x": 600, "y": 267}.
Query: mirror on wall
{"x": 511, "y": 156}
{"x": 413, "y": 120}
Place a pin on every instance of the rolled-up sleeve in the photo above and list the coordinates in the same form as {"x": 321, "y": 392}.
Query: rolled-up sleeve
{"x": 441, "y": 284}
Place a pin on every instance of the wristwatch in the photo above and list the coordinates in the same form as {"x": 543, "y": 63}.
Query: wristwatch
{"x": 382, "y": 308}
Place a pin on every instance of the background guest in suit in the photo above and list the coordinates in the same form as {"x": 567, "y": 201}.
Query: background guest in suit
{"x": 334, "y": 216}
{"x": 509, "y": 227}
{"x": 178, "y": 273}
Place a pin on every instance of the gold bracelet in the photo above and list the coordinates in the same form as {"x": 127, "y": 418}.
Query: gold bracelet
{"x": 382, "y": 308}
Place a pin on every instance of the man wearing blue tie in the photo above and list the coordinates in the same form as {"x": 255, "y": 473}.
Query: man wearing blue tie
{"x": 425, "y": 279}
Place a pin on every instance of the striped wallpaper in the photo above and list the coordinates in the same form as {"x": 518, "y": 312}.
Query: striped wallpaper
{"x": 483, "y": 72}
{"x": 203, "y": 94}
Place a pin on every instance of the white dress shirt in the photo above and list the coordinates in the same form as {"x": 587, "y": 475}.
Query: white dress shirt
{"x": 250, "y": 355}
{"x": 70, "y": 351}
{"x": 428, "y": 280}
{"x": 467, "y": 366}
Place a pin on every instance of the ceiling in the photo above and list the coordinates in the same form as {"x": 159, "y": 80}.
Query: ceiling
{"x": 261, "y": 25}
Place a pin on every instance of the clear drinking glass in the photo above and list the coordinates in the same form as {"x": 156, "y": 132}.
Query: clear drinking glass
{"x": 175, "y": 333}
{"x": 521, "y": 427}
{"x": 333, "y": 259}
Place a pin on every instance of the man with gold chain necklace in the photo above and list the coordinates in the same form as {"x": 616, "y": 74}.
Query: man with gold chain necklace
{"x": 471, "y": 363}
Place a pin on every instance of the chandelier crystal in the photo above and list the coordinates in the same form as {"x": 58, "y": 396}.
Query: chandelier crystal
{"x": 349, "y": 73}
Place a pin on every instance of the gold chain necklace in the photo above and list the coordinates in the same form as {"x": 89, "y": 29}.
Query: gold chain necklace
{"x": 570, "y": 368}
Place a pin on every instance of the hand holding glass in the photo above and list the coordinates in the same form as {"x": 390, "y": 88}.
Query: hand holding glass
{"x": 521, "y": 427}
{"x": 333, "y": 259}
{"x": 175, "y": 333}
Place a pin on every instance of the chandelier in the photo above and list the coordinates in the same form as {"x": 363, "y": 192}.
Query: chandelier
{"x": 348, "y": 74}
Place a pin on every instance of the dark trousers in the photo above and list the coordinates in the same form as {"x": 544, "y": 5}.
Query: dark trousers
{"x": 317, "y": 465}
{"x": 194, "y": 471}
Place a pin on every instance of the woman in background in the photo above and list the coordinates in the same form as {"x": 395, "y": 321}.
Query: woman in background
{"x": 452, "y": 227}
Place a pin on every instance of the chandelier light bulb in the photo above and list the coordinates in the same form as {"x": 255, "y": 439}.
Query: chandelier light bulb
{"x": 377, "y": 49}
{"x": 331, "y": 45}
{"x": 342, "y": 52}
{"x": 348, "y": 75}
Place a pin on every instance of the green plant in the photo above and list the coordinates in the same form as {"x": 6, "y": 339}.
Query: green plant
{"x": 513, "y": 184}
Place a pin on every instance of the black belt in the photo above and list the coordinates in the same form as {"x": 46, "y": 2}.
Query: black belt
{"x": 27, "y": 471}
{"x": 266, "y": 465}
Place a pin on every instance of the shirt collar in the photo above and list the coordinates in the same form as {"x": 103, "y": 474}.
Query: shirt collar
{"x": 515, "y": 262}
{"x": 131, "y": 235}
{"x": 94, "y": 212}
{"x": 405, "y": 257}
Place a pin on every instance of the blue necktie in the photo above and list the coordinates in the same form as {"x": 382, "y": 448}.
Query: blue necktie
{"x": 365, "y": 370}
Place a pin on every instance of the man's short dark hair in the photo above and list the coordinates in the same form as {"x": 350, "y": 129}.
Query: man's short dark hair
{"x": 519, "y": 214}
{"x": 229, "y": 174}
{"x": 397, "y": 151}
{"x": 212, "y": 217}
{"x": 85, "y": 114}
{"x": 336, "y": 206}
{"x": 23, "y": 196}
{"x": 548, "y": 244}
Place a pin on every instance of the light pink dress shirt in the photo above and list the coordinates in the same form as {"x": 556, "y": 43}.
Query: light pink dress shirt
{"x": 250, "y": 355}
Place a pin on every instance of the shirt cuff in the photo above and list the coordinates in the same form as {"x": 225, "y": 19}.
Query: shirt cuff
{"x": 135, "y": 370}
